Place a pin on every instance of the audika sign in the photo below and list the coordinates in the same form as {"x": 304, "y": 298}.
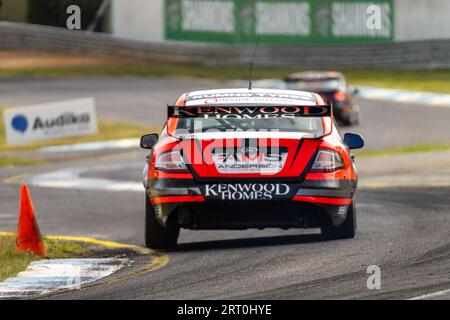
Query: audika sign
{"x": 50, "y": 121}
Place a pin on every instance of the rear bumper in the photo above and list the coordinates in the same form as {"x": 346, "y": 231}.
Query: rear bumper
{"x": 310, "y": 202}
{"x": 342, "y": 110}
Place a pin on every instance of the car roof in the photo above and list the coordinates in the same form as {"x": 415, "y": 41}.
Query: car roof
{"x": 245, "y": 96}
{"x": 315, "y": 75}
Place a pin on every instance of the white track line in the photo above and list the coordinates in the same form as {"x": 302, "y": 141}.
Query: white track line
{"x": 431, "y": 295}
{"x": 405, "y": 96}
{"x": 47, "y": 276}
{"x": 92, "y": 146}
{"x": 70, "y": 179}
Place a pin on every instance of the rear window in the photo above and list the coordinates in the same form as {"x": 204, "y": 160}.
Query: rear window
{"x": 312, "y": 125}
{"x": 331, "y": 84}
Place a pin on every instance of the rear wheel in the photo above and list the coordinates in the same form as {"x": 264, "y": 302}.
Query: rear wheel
{"x": 156, "y": 235}
{"x": 345, "y": 231}
{"x": 355, "y": 118}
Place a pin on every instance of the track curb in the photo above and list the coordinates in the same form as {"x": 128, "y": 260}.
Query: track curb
{"x": 32, "y": 285}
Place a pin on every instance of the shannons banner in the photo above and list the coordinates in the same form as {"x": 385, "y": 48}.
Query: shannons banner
{"x": 280, "y": 21}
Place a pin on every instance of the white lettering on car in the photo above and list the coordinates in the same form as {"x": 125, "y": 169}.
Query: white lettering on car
{"x": 210, "y": 190}
{"x": 246, "y": 191}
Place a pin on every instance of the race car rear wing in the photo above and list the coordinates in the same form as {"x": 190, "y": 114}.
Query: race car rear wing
{"x": 248, "y": 112}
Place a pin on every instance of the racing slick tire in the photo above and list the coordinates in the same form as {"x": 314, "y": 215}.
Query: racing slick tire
{"x": 156, "y": 235}
{"x": 356, "y": 118}
{"x": 346, "y": 230}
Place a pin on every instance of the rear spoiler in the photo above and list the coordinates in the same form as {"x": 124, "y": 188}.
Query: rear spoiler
{"x": 248, "y": 112}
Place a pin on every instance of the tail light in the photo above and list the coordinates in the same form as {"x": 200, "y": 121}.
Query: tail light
{"x": 170, "y": 162}
{"x": 340, "y": 96}
{"x": 327, "y": 161}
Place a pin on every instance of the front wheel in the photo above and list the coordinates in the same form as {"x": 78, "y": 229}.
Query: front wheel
{"x": 346, "y": 230}
{"x": 156, "y": 235}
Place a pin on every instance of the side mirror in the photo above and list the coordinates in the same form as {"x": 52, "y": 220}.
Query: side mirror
{"x": 353, "y": 140}
{"x": 149, "y": 140}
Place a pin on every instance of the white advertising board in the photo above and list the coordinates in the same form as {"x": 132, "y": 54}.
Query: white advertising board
{"x": 50, "y": 121}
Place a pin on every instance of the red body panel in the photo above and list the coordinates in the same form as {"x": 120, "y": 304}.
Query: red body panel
{"x": 297, "y": 159}
{"x": 176, "y": 199}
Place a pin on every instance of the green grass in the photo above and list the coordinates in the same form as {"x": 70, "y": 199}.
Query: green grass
{"x": 12, "y": 262}
{"x": 423, "y": 80}
{"x": 420, "y": 148}
{"x": 6, "y": 161}
{"x": 418, "y": 80}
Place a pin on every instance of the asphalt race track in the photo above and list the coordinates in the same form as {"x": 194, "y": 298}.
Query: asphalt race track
{"x": 403, "y": 207}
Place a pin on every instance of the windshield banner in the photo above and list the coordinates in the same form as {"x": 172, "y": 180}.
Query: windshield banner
{"x": 248, "y": 112}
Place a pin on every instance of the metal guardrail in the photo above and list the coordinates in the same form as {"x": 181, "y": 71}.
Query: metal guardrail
{"x": 401, "y": 55}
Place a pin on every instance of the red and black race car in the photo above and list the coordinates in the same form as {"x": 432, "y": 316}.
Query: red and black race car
{"x": 333, "y": 88}
{"x": 240, "y": 158}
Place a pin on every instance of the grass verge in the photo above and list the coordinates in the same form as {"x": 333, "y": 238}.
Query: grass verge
{"x": 421, "y": 148}
{"x": 12, "y": 262}
{"x": 107, "y": 131}
{"x": 7, "y": 161}
{"x": 421, "y": 80}
{"x": 416, "y": 80}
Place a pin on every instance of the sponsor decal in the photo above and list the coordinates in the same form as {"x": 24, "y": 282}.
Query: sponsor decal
{"x": 66, "y": 119}
{"x": 197, "y": 16}
{"x": 215, "y": 95}
{"x": 50, "y": 121}
{"x": 19, "y": 123}
{"x": 248, "y": 112}
{"x": 249, "y": 101}
{"x": 247, "y": 191}
{"x": 283, "y": 18}
{"x": 366, "y": 19}
{"x": 249, "y": 160}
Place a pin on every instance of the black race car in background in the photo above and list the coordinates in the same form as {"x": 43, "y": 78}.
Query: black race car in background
{"x": 333, "y": 89}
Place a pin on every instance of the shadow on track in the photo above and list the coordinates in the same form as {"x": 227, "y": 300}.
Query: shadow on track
{"x": 248, "y": 242}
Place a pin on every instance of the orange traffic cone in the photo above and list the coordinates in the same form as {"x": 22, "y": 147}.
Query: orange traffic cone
{"x": 28, "y": 234}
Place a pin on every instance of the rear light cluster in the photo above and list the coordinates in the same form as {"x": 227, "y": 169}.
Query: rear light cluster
{"x": 327, "y": 161}
{"x": 170, "y": 162}
{"x": 339, "y": 96}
